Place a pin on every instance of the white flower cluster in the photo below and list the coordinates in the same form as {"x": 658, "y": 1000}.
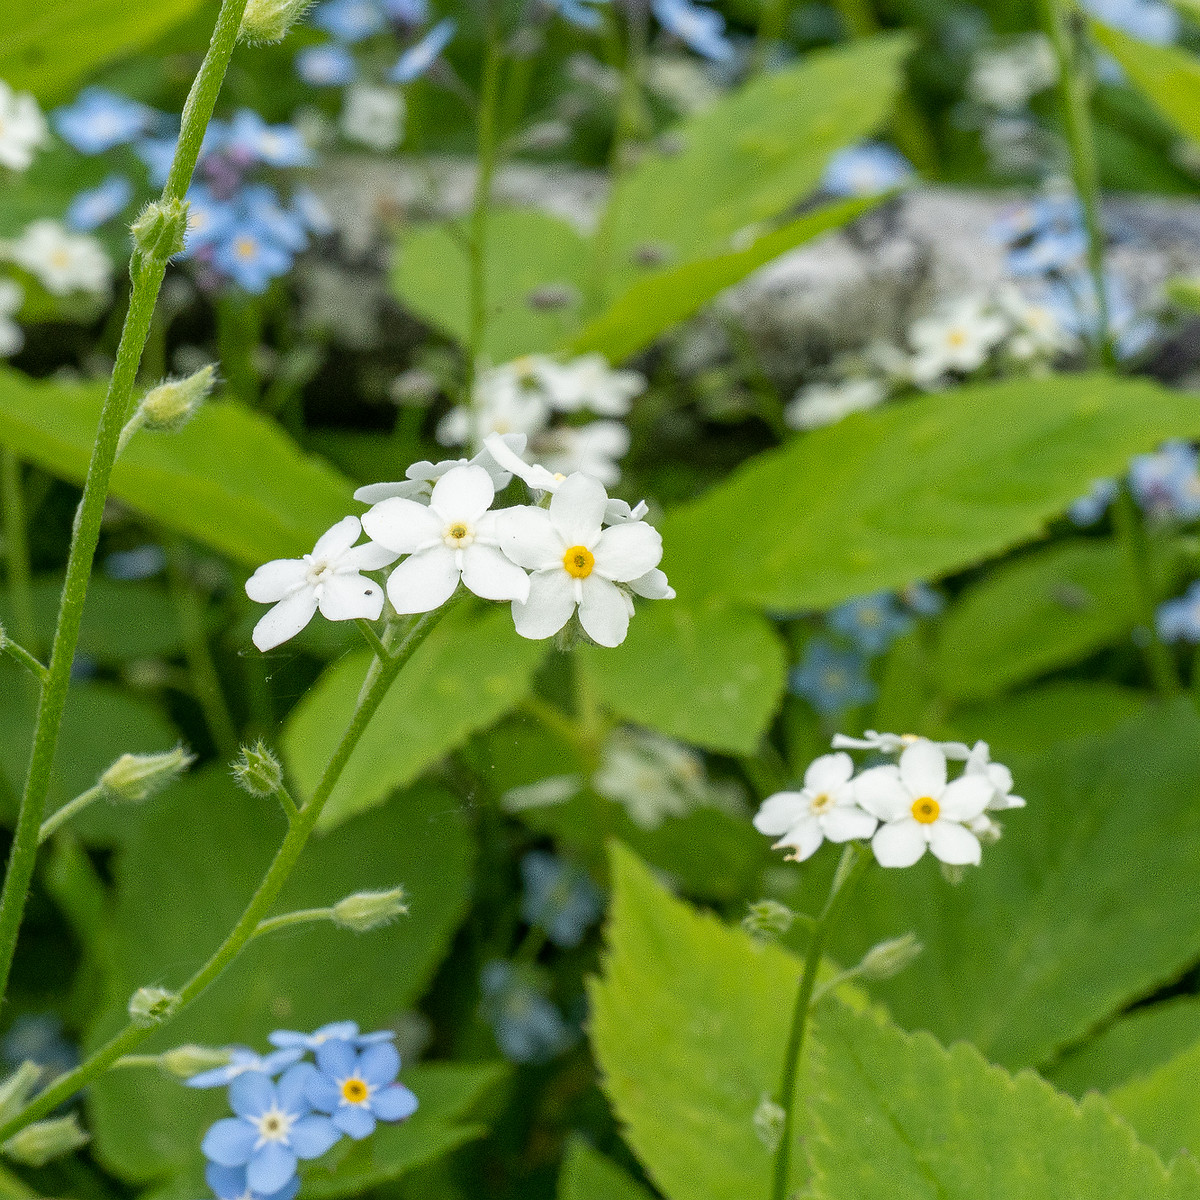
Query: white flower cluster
{"x": 22, "y": 128}
{"x": 904, "y": 808}
{"x": 580, "y": 554}
{"x": 524, "y": 396}
{"x": 63, "y": 262}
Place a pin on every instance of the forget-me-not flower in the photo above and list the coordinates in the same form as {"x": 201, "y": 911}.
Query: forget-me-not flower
{"x": 579, "y": 12}
{"x": 97, "y": 206}
{"x": 527, "y": 1026}
{"x": 1089, "y": 508}
{"x": 327, "y": 65}
{"x": 872, "y": 622}
{"x": 209, "y": 219}
{"x": 252, "y": 139}
{"x": 342, "y": 1031}
{"x": 251, "y": 257}
{"x": 830, "y": 679}
{"x": 349, "y": 20}
{"x": 358, "y": 1088}
{"x": 1178, "y": 620}
{"x": 418, "y": 58}
{"x": 866, "y": 170}
{"x": 1167, "y": 482}
{"x": 229, "y": 1183}
{"x": 99, "y": 119}
{"x": 558, "y": 898}
{"x": 243, "y": 1061}
{"x": 701, "y": 29}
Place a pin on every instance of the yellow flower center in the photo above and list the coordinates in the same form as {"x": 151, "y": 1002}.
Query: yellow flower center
{"x": 926, "y": 810}
{"x": 458, "y": 535}
{"x": 956, "y": 338}
{"x": 821, "y": 802}
{"x": 245, "y": 247}
{"x": 60, "y": 259}
{"x": 578, "y": 562}
{"x": 354, "y": 1091}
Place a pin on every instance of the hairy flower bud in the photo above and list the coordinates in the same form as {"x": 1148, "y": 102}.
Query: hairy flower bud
{"x": 269, "y": 20}
{"x": 258, "y": 770}
{"x": 151, "y": 1005}
{"x": 889, "y": 958}
{"x": 174, "y": 402}
{"x": 37, "y": 1144}
{"x": 17, "y": 1088}
{"x": 769, "y": 1119}
{"x": 158, "y": 232}
{"x": 369, "y": 910}
{"x": 185, "y": 1061}
{"x": 136, "y": 777}
{"x": 766, "y": 919}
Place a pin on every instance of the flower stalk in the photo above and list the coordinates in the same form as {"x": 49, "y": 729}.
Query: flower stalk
{"x": 16, "y": 548}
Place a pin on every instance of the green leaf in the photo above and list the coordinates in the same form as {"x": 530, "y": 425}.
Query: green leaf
{"x": 898, "y": 1117}
{"x": 47, "y": 47}
{"x": 526, "y": 250}
{"x": 913, "y": 490}
{"x": 231, "y": 478}
{"x": 1162, "y": 1105}
{"x": 183, "y": 880}
{"x": 588, "y": 1175}
{"x": 1045, "y": 610}
{"x": 703, "y": 673}
{"x": 654, "y": 304}
{"x": 471, "y": 670}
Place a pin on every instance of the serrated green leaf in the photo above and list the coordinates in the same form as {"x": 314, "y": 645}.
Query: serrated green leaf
{"x": 898, "y": 1117}
{"x": 913, "y": 490}
{"x": 1162, "y": 1106}
{"x": 471, "y": 670}
{"x": 588, "y": 1175}
{"x": 231, "y": 478}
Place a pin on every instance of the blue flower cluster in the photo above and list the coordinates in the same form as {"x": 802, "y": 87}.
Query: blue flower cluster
{"x": 699, "y": 27}
{"x": 559, "y": 898}
{"x": 528, "y": 1026}
{"x": 1165, "y": 484}
{"x": 866, "y": 169}
{"x": 288, "y": 1110}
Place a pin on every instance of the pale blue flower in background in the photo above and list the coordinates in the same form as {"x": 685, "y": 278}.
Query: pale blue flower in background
{"x": 259, "y": 204}
{"x": 866, "y": 170}
{"x": 250, "y": 256}
{"x": 923, "y": 600}
{"x": 244, "y": 1061}
{"x": 327, "y": 65}
{"x": 701, "y": 29}
{"x": 831, "y": 679}
{"x": 872, "y": 622}
{"x": 252, "y": 139}
{"x": 1147, "y": 20}
{"x": 349, "y": 20}
{"x": 1072, "y": 300}
{"x": 579, "y": 12}
{"x": 406, "y": 12}
{"x": 1178, "y": 620}
{"x": 558, "y": 898}
{"x": 99, "y": 119}
{"x": 97, "y": 206}
{"x": 1166, "y": 483}
{"x": 1088, "y": 509}
{"x": 157, "y": 153}
{"x": 527, "y": 1026}
{"x": 209, "y": 219}
{"x": 143, "y": 562}
{"x": 418, "y": 58}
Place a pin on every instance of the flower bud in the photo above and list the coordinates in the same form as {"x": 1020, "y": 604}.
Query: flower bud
{"x": 158, "y": 232}
{"x": 185, "y": 1061}
{"x": 258, "y": 770}
{"x": 151, "y": 1005}
{"x": 17, "y": 1088}
{"x": 136, "y": 777}
{"x": 769, "y": 1118}
{"x": 269, "y": 20}
{"x": 173, "y": 403}
{"x": 767, "y": 919}
{"x": 37, "y": 1144}
{"x": 369, "y": 910}
{"x": 889, "y": 958}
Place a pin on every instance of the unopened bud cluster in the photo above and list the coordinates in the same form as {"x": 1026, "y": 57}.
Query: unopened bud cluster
{"x": 889, "y": 958}
{"x": 258, "y": 770}
{"x": 173, "y": 403}
{"x": 369, "y": 910}
{"x": 767, "y": 919}
{"x": 152, "y": 1005}
{"x": 37, "y": 1144}
{"x": 136, "y": 777}
{"x": 159, "y": 231}
{"x": 269, "y": 20}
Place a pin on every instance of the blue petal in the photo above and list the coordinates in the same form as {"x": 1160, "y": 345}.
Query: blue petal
{"x": 345, "y": 1031}
{"x": 379, "y": 1065}
{"x": 312, "y": 1136}
{"x": 287, "y": 1192}
{"x": 289, "y": 1038}
{"x": 322, "y": 1092}
{"x": 217, "y": 1077}
{"x": 229, "y": 1183}
{"x": 355, "y": 1120}
{"x": 251, "y": 1094}
{"x": 274, "y": 1063}
{"x": 229, "y": 1142}
{"x": 370, "y": 1039}
{"x": 270, "y": 1168}
{"x": 394, "y": 1103}
{"x": 292, "y": 1086}
{"x": 336, "y": 1058}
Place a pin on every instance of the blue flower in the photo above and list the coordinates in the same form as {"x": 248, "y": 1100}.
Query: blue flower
{"x": 244, "y": 1061}
{"x": 38, "y": 1037}
{"x": 1166, "y": 483}
{"x": 143, "y": 562}
{"x": 1148, "y": 20}
{"x": 359, "y": 1088}
{"x": 209, "y": 219}
{"x": 229, "y": 1183}
{"x": 578, "y": 13}
{"x": 923, "y": 600}
{"x": 872, "y": 622}
{"x": 157, "y": 153}
{"x": 830, "y": 679}
{"x": 866, "y": 170}
{"x": 1072, "y": 300}
{"x": 1178, "y": 620}
{"x": 349, "y": 20}
{"x": 329, "y": 65}
{"x": 559, "y": 898}
{"x": 1088, "y": 509}
{"x": 343, "y": 1031}
{"x": 412, "y": 13}
{"x": 310, "y": 209}
{"x": 252, "y": 139}
{"x": 100, "y": 120}
{"x": 95, "y": 207}
{"x": 527, "y": 1026}
{"x": 418, "y": 58}
{"x": 702, "y": 29}
{"x": 274, "y": 1127}
{"x": 260, "y": 205}
{"x": 251, "y": 257}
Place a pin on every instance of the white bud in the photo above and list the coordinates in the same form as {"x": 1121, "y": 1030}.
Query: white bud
{"x": 152, "y": 1005}
{"x": 173, "y": 403}
{"x": 136, "y": 777}
{"x": 369, "y": 910}
{"x": 889, "y": 958}
{"x": 17, "y": 1088}
{"x": 258, "y": 770}
{"x": 269, "y": 20}
{"x": 185, "y": 1061}
{"x": 37, "y": 1144}
{"x": 768, "y": 1123}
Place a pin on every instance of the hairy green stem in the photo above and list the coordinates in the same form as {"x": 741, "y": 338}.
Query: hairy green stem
{"x": 372, "y": 638}
{"x": 380, "y": 676}
{"x": 22, "y": 656}
{"x": 855, "y": 860}
{"x": 302, "y": 916}
{"x": 147, "y": 275}
{"x": 61, "y": 816}
{"x": 16, "y": 550}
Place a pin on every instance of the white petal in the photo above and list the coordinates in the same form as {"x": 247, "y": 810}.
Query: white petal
{"x": 370, "y": 556}
{"x": 923, "y": 769}
{"x": 804, "y": 839}
{"x": 549, "y": 607}
{"x": 274, "y": 580}
{"x": 627, "y": 552}
{"x": 285, "y": 620}
{"x": 653, "y": 585}
{"x": 828, "y": 772}
{"x": 881, "y": 793}
{"x": 528, "y": 537}
{"x": 577, "y": 510}
{"x": 351, "y": 598}
{"x": 408, "y": 489}
{"x": 334, "y": 543}
{"x": 966, "y": 797}
{"x": 603, "y": 612}
{"x": 463, "y": 494}
{"x": 899, "y": 843}
{"x": 953, "y": 844}
{"x": 845, "y": 822}
{"x": 423, "y": 582}
{"x": 780, "y": 812}
{"x": 489, "y": 574}
{"x": 402, "y": 525}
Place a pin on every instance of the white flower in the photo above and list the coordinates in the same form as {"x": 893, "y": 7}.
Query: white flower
{"x": 958, "y": 340}
{"x": 507, "y": 399}
{"x": 373, "y": 116}
{"x": 454, "y": 538}
{"x": 12, "y": 338}
{"x": 62, "y": 262}
{"x": 824, "y": 403}
{"x": 589, "y": 382}
{"x": 577, "y": 562}
{"x": 420, "y": 477}
{"x": 824, "y": 808}
{"x": 593, "y": 449}
{"x": 1037, "y": 331}
{"x": 1006, "y": 79}
{"x": 327, "y": 579}
{"x": 893, "y": 743}
{"x": 998, "y": 776}
{"x": 918, "y": 808}
{"x": 22, "y": 128}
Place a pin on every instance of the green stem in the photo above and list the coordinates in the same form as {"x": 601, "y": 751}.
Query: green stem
{"x": 303, "y": 916}
{"x": 380, "y": 676}
{"x": 1074, "y": 89}
{"x": 60, "y": 817}
{"x": 16, "y": 550}
{"x": 147, "y": 274}
{"x": 855, "y": 860}
{"x": 373, "y": 639}
{"x": 290, "y": 808}
{"x": 1131, "y": 532}
{"x": 27, "y": 660}
{"x": 557, "y": 722}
